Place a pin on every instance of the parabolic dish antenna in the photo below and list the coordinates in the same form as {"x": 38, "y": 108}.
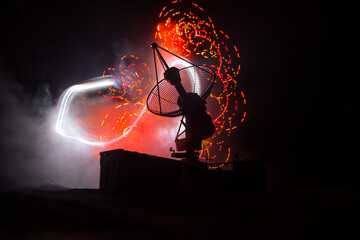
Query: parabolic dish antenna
{"x": 163, "y": 98}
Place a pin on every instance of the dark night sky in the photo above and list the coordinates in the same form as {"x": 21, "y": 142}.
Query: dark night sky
{"x": 298, "y": 65}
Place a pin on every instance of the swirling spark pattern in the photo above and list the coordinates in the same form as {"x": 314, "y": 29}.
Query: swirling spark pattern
{"x": 193, "y": 35}
{"x": 108, "y": 114}
{"x": 111, "y": 111}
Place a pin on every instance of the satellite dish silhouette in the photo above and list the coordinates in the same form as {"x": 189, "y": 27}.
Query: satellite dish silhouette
{"x": 183, "y": 92}
{"x": 162, "y": 99}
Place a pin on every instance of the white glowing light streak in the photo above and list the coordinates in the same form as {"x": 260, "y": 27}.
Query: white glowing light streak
{"x": 66, "y": 99}
{"x": 103, "y": 82}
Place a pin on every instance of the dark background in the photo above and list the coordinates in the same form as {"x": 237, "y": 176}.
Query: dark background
{"x": 298, "y": 70}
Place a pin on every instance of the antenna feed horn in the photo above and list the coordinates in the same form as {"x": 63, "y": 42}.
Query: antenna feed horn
{"x": 154, "y": 45}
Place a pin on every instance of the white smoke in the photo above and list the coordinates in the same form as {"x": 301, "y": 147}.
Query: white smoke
{"x": 32, "y": 153}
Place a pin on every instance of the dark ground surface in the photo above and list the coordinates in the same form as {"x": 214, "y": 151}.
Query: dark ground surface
{"x": 54, "y": 213}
